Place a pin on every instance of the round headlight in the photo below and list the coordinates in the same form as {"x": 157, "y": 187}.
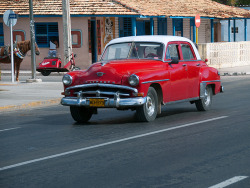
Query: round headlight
{"x": 133, "y": 80}
{"x": 67, "y": 79}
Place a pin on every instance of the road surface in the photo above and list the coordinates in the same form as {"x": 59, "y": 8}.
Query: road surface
{"x": 44, "y": 147}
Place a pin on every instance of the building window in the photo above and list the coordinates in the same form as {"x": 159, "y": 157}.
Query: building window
{"x": 76, "y": 36}
{"x": 192, "y": 30}
{"x": 45, "y": 32}
{"x": 236, "y": 30}
{"x": 162, "y": 26}
{"x": 178, "y": 26}
{"x": 1, "y": 35}
{"x": 125, "y": 27}
{"x": 19, "y": 35}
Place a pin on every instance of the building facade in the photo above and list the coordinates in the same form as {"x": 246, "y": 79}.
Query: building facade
{"x": 236, "y": 28}
{"x": 94, "y": 23}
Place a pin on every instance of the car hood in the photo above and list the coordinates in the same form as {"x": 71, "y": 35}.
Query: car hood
{"x": 113, "y": 71}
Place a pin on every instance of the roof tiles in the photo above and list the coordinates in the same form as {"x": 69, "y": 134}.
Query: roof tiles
{"x": 188, "y": 8}
{"x": 167, "y": 8}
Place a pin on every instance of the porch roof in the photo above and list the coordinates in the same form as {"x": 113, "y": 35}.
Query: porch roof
{"x": 165, "y": 8}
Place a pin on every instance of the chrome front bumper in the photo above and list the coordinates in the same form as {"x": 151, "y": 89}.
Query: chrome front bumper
{"x": 109, "y": 102}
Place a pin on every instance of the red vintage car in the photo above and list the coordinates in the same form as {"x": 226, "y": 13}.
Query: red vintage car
{"x": 142, "y": 73}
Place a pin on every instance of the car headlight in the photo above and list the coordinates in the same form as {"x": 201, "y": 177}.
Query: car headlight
{"x": 133, "y": 80}
{"x": 67, "y": 79}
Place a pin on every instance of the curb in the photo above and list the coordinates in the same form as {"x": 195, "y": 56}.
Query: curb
{"x": 31, "y": 105}
{"x": 235, "y": 73}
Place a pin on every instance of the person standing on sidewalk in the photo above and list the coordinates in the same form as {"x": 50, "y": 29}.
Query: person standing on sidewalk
{"x": 53, "y": 45}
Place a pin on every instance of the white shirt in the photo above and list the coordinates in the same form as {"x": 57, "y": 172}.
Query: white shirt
{"x": 52, "y": 46}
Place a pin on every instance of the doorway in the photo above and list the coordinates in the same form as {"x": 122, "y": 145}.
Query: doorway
{"x": 143, "y": 27}
{"x": 93, "y": 41}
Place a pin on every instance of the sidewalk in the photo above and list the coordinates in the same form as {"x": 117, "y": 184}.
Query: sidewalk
{"x": 234, "y": 71}
{"x": 20, "y": 95}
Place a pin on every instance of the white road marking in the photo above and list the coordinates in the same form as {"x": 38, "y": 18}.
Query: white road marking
{"x": 108, "y": 143}
{"x": 10, "y": 129}
{"x": 229, "y": 182}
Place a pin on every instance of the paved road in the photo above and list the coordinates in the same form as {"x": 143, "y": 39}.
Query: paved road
{"x": 181, "y": 148}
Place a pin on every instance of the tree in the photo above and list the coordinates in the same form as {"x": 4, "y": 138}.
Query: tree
{"x": 243, "y": 2}
{"x": 233, "y": 2}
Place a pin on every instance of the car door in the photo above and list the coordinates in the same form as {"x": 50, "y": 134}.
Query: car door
{"x": 193, "y": 68}
{"x": 178, "y": 73}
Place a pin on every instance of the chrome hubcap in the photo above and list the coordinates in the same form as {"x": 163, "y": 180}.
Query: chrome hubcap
{"x": 207, "y": 98}
{"x": 150, "y": 106}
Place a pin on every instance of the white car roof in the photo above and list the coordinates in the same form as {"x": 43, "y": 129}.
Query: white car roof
{"x": 155, "y": 38}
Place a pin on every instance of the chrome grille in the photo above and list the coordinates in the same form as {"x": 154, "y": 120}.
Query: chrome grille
{"x": 102, "y": 90}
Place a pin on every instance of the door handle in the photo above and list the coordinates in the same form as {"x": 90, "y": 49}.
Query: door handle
{"x": 184, "y": 65}
{"x": 198, "y": 64}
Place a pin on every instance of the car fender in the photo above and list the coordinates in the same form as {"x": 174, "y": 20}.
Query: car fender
{"x": 209, "y": 76}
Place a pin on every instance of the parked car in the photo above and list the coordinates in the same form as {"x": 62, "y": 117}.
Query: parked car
{"x": 142, "y": 73}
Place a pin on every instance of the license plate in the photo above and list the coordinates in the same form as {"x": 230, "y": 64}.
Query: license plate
{"x": 96, "y": 102}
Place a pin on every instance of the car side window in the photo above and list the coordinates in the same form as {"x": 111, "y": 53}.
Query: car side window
{"x": 172, "y": 51}
{"x": 187, "y": 52}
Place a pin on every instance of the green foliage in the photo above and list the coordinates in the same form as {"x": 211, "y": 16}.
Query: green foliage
{"x": 243, "y": 2}
{"x": 234, "y": 2}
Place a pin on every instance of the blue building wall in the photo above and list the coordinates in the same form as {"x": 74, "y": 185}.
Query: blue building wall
{"x": 238, "y": 24}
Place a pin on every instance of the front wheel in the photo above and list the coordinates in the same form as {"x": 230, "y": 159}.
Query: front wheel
{"x": 205, "y": 103}
{"x": 81, "y": 114}
{"x": 45, "y": 73}
{"x": 148, "y": 111}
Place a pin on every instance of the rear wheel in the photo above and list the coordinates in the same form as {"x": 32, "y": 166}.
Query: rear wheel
{"x": 148, "y": 111}
{"x": 205, "y": 103}
{"x": 81, "y": 114}
{"x": 45, "y": 73}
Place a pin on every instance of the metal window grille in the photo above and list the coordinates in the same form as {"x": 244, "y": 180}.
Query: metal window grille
{"x": 236, "y": 30}
{"x": 45, "y": 32}
{"x": 125, "y": 27}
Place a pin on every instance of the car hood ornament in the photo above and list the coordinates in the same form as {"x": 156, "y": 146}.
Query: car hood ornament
{"x": 100, "y": 74}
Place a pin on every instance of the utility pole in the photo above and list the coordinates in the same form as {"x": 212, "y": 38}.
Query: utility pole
{"x": 66, "y": 31}
{"x": 32, "y": 42}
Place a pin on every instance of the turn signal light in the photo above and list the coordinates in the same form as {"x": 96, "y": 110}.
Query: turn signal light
{"x": 140, "y": 94}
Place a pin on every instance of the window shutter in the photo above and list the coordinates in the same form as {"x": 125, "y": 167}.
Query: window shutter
{"x": 1, "y": 35}
{"x": 162, "y": 26}
{"x": 89, "y": 33}
{"x": 41, "y": 34}
{"x": 179, "y": 24}
{"x": 125, "y": 27}
{"x": 99, "y": 46}
{"x": 44, "y": 33}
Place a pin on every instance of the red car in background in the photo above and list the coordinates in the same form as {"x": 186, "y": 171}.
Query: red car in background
{"x": 142, "y": 73}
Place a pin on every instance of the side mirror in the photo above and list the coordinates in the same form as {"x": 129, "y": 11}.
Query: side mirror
{"x": 75, "y": 55}
{"x": 175, "y": 60}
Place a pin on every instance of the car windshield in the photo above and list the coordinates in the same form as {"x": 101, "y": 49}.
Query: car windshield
{"x": 134, "y": 50}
